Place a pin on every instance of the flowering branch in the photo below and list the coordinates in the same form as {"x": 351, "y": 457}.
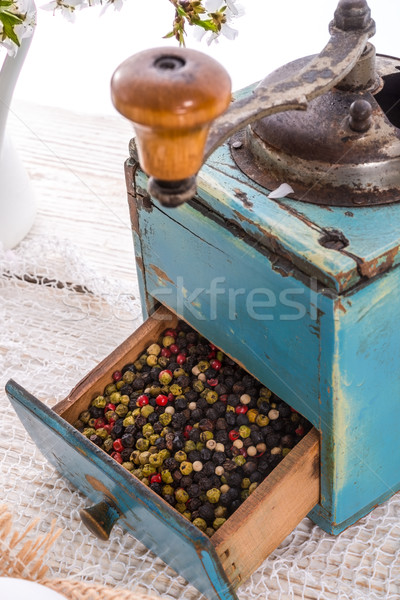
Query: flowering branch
{"x": 212, "y": 17}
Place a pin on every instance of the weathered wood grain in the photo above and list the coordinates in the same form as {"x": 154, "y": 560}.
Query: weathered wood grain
{"x": 271, "y": 512}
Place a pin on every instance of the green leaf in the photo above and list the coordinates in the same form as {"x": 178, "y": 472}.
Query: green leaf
{"x": 5, "y": 3}
{"x": 207, "y": 24}
{"x": 181, "y": 11}
{"x": 9, "y": 21}
{"x": 169, "y": 35}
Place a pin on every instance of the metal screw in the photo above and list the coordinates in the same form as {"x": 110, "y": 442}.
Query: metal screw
{"x": 352, "y": 14}
{"x": 360, "y": 115}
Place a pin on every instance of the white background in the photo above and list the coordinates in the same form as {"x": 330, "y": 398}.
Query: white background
{"x": 70, "y": 64}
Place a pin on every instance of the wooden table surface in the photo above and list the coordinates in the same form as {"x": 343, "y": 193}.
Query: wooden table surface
{"x": 76, "y": 165}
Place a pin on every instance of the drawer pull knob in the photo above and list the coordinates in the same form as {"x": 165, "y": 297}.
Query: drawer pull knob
{"x": 100, "y": 519}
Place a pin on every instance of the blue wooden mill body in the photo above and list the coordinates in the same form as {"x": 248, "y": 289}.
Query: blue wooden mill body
{"x": 321, "y": 332}
{"x": 306, "y": 299}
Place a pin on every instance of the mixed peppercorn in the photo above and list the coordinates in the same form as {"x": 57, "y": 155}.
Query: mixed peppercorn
{"x": 193, "y": 426}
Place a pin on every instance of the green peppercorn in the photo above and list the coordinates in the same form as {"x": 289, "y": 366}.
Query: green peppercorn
{"x": 246, "y": 483}
{"x": 230, "y": 408}
{"x": 144, "y": 457}
{"x": 181, "y": 495}
{"x": 128, "y": 377}
{"x": 111, "y": 415}
{"x": 128, "y": 465}
{"x": 186, "y": 467}
{"x": 109, "y": 389}
{"x": 175, "y": 389}
{"x": 253, "y": 486}
{"x": 265, "y": 393}
{"x": 244, "y": 494}
{"x": 103, "y": 433}
{"x": 167, "y": 341}
{"x": 147, "y": 430}
{"x": 137, "y": 473}
{"x": 239, "y": 460}
{"x": 166, "y": 476}
{"x": 108, "y": 444}
{"x": 244, "y": 431}
{"x": 91, "y": 422}
{"x": 211, "y": 396}
{"x": 200, "y": 523}
{"x": 167, "y": 490}
{"x": 205, "y": 436}
{"x": 153, "y": 438}
{"x": 198, "y": 386}
{"x": 203, "y": 365}
{"x": 138, "y": 365}
{"x": 285, "y": 451}
{"x": 135, "y": 457}
{"x": 99, "y": 402}
{"x": 252, "y": 415}
{"x": 124, "y": 400}
{"x": 294, "y": 417}
{"x": 180, "y": 456}
{"x": 146, "y": 410}
{"x": 154, "y": 349}
{"x": 121, "y": 410}
{"x": 179, "y": 372}
{"x": 165, "y": 419}
{"x": 213, "y": 495}
{"x": 142, "y": 444}
{"x": 187, "y": 514}
{"x": 88, "y": 431}
{"x": 180, "y": 507}
{"x": 163, "y": 361}
{"x": 210, "y": 531}
{"x": 218, "y": 522}
{"x": 154, "y": 390}
{"x": 262, "y": 420}
{"x": 164, "y": 454}
{"x": 120, "y": 384}
{"x": 156, "y": 460}
{"x": 189, "y": 446}
{"x": 84, "y": 416}
{"x": 152, "y": 360}
{"x": 128, "y": 421}
{"x": 148, "y": 470}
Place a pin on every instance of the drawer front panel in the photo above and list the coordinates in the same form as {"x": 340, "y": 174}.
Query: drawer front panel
{"x": 258, "y": 313}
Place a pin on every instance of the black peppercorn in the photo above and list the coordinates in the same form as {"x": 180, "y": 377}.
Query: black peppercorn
{"x": 208, "y": 469}
{"x": 95, "y": 412}
{"x": 207, "y": 512}
{"x": 272, "y": 440}
{"x": 219, "y": 458}
{"x": 205, "y": 454}
{"x": 204, "y": 483}
{"x": 241, "y": 420}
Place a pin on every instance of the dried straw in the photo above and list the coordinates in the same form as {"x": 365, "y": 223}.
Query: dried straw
{"x": 24, "y": 558}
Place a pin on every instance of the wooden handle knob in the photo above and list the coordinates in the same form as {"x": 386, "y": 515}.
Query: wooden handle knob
{"x": 172, "y": 95}
{"x": 100, "y": 519}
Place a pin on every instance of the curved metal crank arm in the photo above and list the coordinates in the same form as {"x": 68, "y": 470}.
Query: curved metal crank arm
{"x": 321, "y": 74}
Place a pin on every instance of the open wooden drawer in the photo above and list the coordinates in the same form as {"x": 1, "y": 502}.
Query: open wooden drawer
{"x": 217, "y": 565}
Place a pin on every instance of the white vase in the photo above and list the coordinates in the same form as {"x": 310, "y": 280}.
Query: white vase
{"x": 17, "y": 201}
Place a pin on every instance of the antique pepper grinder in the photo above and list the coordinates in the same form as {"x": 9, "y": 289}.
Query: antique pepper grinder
{"x": 302, "y": 291}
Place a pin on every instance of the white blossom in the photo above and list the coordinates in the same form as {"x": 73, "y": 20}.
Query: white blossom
{"x": 21, "y": 8}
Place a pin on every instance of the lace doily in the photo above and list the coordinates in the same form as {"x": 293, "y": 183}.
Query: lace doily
{"x": 59, "y": 319}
